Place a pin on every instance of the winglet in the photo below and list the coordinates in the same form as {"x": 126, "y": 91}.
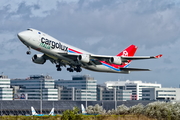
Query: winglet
{"x": 158, "y": 56}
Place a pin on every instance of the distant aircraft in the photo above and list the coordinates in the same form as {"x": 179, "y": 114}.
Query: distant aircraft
{"x": 35, "y": 114}
{"x": 64, "y": 55}
{"x": 83, "y": 110}
{"x": 52, "y": 112}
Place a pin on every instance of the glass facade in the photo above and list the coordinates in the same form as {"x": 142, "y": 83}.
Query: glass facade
{"x": 135, "y": 86}
{"x": 36, "y": 87}
{"x": 84, "y": 88}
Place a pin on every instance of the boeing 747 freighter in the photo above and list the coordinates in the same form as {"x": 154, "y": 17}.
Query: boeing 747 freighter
{"x": 64, "y": 55}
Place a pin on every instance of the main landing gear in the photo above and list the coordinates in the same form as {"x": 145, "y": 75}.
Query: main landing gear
{"x": 77, "y": 69}
{"x": 70, "y": 69}
{"x": 58, "y": 67}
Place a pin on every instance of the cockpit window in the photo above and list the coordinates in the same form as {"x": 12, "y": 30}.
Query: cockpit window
{"x": 39, "y": 32}
{"x": 30, "y": 29}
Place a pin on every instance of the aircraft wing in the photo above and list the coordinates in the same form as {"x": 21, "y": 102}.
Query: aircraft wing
{"x": 134, "y": 69}
{"x": 93, "y": 57}
{"x": 102, "y": 57}
{"x": 75, "y": 56}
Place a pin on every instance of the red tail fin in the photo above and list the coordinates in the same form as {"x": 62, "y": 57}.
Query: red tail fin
{"x": 129, "y": 51}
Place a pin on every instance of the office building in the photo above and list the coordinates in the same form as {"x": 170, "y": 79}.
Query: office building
{"x": 135, "y": 86}
{"x": 81, "y": 88}
{"x": 6, "y": 93}
{"x": 104, "y": 94}
{"x": 161, "y": 94}
{"x": 35, "y": 87}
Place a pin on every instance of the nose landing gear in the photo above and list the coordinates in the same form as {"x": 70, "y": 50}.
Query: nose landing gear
{"x": 28, "y": 52}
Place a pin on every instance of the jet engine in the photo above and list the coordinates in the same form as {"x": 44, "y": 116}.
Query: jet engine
{"x": 84, "y": 58}
{"x": 38, "y": 59}
{"x": 116, "y": 60}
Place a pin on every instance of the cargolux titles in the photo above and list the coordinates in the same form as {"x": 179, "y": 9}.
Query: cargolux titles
{"x": 48, "y": 44}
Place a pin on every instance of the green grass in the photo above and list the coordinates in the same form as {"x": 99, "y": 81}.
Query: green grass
{"x": 85, "y": 117}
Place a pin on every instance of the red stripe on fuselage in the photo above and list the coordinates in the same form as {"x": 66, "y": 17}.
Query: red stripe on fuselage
{"x": 75, "y": 51}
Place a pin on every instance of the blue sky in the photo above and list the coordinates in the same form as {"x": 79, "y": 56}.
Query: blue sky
{"x": 97, "y": 26}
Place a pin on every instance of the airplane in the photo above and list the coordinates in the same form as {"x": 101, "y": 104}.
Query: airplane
{"x": 64, "y": 55}
{"x": 35, "y": 114}
{"x": 83, "y": 110}
{"x": 52, "y": 112}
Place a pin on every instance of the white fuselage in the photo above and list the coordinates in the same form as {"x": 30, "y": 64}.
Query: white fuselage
{"x": 57, "y": 50}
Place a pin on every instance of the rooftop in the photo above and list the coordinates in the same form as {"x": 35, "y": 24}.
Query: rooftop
{"x": 128, "y": 82}
{"x": 3, "y": 76}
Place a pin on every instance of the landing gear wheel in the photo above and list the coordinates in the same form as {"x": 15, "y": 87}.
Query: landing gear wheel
{"x": 78, "y": 69}
{"x": 28, "y": 52}
{"x": 70, "y": 69}
{"x": 59, "y": 69}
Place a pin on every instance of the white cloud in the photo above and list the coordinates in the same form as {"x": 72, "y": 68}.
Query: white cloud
{"x": 98, "y": 26}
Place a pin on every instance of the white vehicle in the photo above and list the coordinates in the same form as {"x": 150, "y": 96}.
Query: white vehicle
{"x": 65, "y": 55}
{"x": 35, "y": 114}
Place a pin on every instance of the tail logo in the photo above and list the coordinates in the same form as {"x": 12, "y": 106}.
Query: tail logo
{"x": 125, "y": 53}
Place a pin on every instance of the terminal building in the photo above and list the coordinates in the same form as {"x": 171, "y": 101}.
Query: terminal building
{"x": 80, "y": 88}
{"x": 6, "y": 93}
{"x": 35, "y": 87}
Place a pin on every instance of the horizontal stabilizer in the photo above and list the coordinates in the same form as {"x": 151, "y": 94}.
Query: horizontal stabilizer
{"x": 134, "y": 69}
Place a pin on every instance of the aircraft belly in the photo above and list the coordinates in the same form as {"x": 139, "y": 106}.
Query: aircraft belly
{"x": 101, "y": 68}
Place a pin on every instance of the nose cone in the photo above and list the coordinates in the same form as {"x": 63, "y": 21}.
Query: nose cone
{"x": 23, "y": 36}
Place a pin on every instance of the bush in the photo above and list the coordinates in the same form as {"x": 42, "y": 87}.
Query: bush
{"x": 72, "y": 115}
{"x": 160, "y": 110}
{"x": 136, "y": 109}
{"x": 94, "y": 110}
{"x": 121, "y": 110}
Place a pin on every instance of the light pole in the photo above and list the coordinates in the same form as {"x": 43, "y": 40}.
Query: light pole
{"x": 41, "y": 98}
{"x": 86, "y": 94}
{"x": 115, "y": 101}
{"x": 1, "y": 108}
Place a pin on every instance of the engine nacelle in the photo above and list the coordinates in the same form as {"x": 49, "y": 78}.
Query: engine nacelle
{"x": 116, "y": 60}
{"x": 38, "y": 59}
{"x": 84, "y": 58}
